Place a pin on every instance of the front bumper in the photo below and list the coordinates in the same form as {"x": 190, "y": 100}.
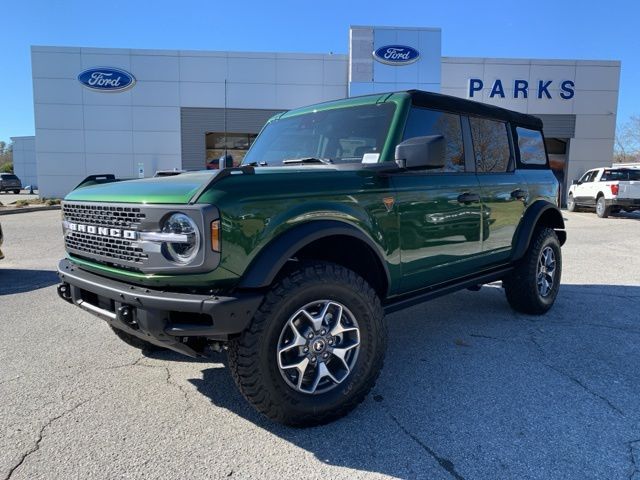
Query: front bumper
{"x": 168, "y": 319}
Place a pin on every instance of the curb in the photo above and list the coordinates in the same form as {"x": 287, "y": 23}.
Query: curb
{"x": 29, "y": 209}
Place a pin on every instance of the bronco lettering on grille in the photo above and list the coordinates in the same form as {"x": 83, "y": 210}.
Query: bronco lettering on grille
{"x": 103, "y": 231}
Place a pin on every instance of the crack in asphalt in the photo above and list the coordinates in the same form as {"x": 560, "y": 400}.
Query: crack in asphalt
{"x": 632, "y": 456}
{"x": 444, "y": 463}
{"x": 124, "y": 365}
{"x": 40, "y": 437}
{"x": 168, "y": 379}
{"x": 573, "y": 378}
{"x": 10, "y": 380}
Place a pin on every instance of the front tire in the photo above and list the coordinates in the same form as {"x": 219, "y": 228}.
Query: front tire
{"x": 533, "y": 286}
{"x": 571, "y": 203}
{"x": 602, "y": 210}
{"x": 16, "y": 191}
{"x": 314, "y": 349}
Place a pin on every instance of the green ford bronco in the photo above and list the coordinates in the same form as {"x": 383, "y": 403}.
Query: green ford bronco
{"x": 339, "y": 213}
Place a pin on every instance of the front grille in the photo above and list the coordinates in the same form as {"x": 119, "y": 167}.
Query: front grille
{"x": 112, "y": 248}
{"x": 118, "y": 251}
{"x": 103, "y": 215}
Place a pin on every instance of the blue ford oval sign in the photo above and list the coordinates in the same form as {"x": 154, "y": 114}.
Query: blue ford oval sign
{"x": 396, "y": 55}
{"x": 107, "y": 79}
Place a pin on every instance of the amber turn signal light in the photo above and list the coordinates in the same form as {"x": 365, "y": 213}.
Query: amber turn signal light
{"x": 215, "y": 235}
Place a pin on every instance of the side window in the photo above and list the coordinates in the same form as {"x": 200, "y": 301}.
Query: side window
{"x": 490, "y": 145}
{"x": 589, "y": 176}
{"x": 531, "y": 146}
{"x": 609, "y": 175}
{"x": 422, "y": 122}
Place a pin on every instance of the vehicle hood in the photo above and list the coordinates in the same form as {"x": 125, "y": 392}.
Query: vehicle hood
{"x": 177, "y": 189}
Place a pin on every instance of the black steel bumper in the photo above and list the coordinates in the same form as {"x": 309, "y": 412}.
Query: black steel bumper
{"x": 169, "y": 319}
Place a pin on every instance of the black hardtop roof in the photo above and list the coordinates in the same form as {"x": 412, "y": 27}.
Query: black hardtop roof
{"x": 463, "y": 106}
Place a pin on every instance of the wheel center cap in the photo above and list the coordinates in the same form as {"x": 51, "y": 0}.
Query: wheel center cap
{"x": 318, "y": 345}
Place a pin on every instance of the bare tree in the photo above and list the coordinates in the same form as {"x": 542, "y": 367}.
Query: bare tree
{"x": 627, "y": 142}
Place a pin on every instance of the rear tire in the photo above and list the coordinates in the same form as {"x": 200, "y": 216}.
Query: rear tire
{"x": 280, "y": 363}
{"x": 136, "y": 342}
{"x": 16, "y": 192}
{"x": 533, "y": 286}
{"x": 602, "y": 210}
{"x": 571, "y": 203}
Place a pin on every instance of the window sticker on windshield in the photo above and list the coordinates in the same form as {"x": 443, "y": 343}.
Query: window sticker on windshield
{"x": 370, "y": 158}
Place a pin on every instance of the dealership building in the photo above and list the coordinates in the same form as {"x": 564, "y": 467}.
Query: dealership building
{"x": 132, "y": 112}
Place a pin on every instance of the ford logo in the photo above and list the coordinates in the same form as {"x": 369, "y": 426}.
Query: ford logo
{"x": 396, "y": 55}
{"x": 107, "y": 79}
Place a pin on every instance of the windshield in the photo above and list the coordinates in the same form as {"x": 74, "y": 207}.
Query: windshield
{"x": 339, "y": 135}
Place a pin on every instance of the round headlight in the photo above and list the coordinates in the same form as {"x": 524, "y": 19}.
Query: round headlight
{"x": 187, "y": 248}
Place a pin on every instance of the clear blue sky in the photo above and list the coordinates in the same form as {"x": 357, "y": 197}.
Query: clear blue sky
{"x": 535, "y": 29}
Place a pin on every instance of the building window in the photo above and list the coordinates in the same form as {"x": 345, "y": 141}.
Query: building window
{"x": 234, "y": 145}
{"x": 490, "y": 145}
{"x": 531, "y": 147}
{"x": 423, "y": 122}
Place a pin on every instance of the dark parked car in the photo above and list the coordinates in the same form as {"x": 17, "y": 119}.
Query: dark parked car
{"x": 10, "y": 183}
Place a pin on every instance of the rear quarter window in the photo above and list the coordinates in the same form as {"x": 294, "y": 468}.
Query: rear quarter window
{"x": 531, "y": 146}
{"x": 490, "y": 145}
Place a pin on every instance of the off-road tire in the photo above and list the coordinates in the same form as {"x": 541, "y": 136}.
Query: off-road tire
{"x": 601, "y": 208}
{"x": 521, "y": 285}
{"x": 252, "y": 355}
{"x": 571, "y": 204}
{"x": 136, "y": 342}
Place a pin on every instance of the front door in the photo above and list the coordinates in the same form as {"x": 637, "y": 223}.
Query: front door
{"x": 439, "y": 209}
{"x": 583, "y": 193}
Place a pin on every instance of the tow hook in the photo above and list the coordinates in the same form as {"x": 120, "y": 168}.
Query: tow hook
{"x": 126, "y": 316}
{"x": 64, "y": 292}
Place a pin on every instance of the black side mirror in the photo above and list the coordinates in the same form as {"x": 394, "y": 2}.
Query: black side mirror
{"x": 421, "y": 152}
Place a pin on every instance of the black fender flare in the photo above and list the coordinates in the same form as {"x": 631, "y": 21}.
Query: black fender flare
{"x": 270, "y": 260}
{"x": 529, "y": 222}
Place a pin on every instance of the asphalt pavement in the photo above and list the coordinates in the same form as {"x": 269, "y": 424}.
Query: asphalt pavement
{"x": 470, "y": 389}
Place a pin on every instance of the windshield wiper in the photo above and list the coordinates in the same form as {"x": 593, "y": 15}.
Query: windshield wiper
{"x": 256, "y": 164}
{"x": 290, "y": 161}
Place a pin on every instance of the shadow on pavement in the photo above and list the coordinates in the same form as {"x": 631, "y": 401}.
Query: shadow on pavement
{"x": 21, "y": 281}
{"x": 479, "y": 391}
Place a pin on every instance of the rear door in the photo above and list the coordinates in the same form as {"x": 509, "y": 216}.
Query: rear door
{"x": 439, "y": 209}
{"x": 504, "y": 192}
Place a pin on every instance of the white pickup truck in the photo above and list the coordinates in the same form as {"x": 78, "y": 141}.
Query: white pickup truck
{"x": 609, "y": 190}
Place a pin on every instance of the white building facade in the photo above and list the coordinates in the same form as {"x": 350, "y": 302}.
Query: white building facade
{"x": 177, "y": 106}
{"x": 24, "y": 160}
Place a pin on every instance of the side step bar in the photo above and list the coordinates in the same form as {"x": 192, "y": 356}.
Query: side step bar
{"x": 420, "y": 296}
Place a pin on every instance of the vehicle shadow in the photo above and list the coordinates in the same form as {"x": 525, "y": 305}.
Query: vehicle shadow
{"x": 471, "y": 389}
{"x": 13, "y": 280}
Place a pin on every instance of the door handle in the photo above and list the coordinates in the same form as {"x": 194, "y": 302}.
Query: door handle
{"x": 468, "y": 198}
{"x": 519, "y": 194}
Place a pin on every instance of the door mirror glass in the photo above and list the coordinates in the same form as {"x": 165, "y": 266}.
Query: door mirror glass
{"x": 421, "y": 152}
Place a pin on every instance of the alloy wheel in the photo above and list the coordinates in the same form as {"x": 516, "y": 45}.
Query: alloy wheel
{"x": 545, "y": 274}
{"x": 318, "y": 347}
